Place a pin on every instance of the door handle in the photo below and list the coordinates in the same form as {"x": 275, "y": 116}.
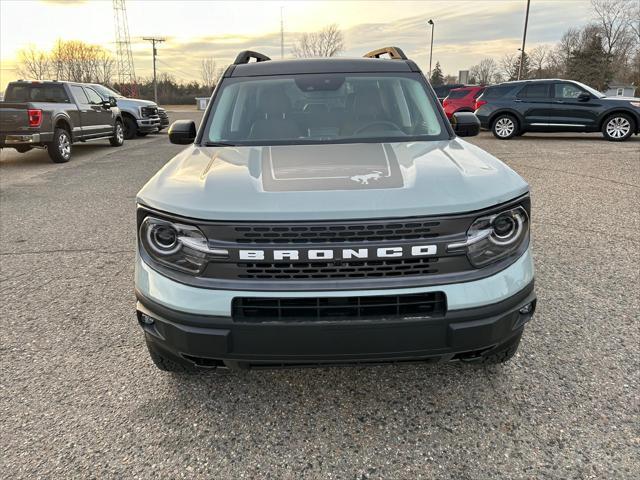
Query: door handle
{"x": 517, "y": 100}
{"x": 559, "y": 101}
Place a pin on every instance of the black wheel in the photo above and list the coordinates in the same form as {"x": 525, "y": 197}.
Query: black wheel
{"x": 167, "y": 364}
{"x": 618, "y": 127}
{"x": 118, "y": 135}
{"x": 505, "y": 126}
{"x": 501, "y": 353}
{"x": 142, "y": 134}
{"x": 130, "y": 128}
{"x": 59, "y": 148}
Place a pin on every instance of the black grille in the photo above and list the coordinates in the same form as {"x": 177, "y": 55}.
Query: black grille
{"x": 336, "y": 233}
{"x": 149, "y": 111}
{"x": 352, "y": 269}
{"x": 432, "y": 304}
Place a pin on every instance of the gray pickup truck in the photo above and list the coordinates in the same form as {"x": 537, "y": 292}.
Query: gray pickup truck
{"x": 54, "y": 115}
{"x": 140, "y": 117}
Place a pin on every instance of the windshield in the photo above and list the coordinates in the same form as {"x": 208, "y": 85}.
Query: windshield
{"x": 327, "y": 108}
{"x": 106, "y": 92}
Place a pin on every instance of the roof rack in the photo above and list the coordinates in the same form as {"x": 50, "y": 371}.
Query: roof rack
{"x": 246, "y": 55}
{"x": 394, "y": 53}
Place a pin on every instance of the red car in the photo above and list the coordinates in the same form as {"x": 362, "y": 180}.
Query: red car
{"x": 462, "y": 99}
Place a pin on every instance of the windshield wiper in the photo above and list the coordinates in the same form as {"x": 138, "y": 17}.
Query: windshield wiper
{"x": 219, "y": 144}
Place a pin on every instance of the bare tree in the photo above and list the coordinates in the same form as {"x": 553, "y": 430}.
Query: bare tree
{"x": 81, "y": 62}
{"x": 539, "y": 58}
{"x": 208, "y": 72}
{"x": 612, "y": 17}
{"x": 485, "y": 71}
{"x": 33, "y": 64}
{"x": 327, "y": 42}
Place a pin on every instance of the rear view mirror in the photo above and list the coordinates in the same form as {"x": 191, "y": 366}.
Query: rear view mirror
{"x": 584, "y": 97}
{"x": 182, "y": 132}
{"x": 465, "y": 124}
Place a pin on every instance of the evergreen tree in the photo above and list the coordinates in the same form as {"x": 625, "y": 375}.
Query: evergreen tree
{"x": 590, "y": 64}
{"x": 437, "y": 78}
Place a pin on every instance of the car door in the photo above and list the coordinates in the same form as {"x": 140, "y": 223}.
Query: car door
{"x": 85, "y": 128}
{"x": 571, "y": 112}
{"x": 101, "y": 116}
{"x": 535, "y": 103}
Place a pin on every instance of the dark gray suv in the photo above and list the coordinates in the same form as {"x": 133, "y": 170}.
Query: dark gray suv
{"x": 512, "y": 108}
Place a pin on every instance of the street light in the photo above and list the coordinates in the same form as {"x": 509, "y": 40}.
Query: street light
{"x": 430, "y": 22}
{"x": 524, "y": 38}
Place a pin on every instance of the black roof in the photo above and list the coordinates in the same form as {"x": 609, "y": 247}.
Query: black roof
{"x": 321, "y": 65}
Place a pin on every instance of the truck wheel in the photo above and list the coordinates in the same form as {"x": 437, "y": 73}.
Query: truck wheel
{"x": 59, "y": 148}
{"x": 167, "y": 364}
{"x": 504, "y": 127}
{"x": 618, "y": 127}
{"x": 118, "y": 135}
{"x": 130, "y": 128}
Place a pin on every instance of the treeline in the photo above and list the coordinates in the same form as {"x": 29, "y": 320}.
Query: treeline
{"x": 170, "y": 91}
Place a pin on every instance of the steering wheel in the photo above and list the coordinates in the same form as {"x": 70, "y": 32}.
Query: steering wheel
{"x": 377, "y": 122}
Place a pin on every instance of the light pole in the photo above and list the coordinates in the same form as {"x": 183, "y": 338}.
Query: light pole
{"x": 524, "y": 38}
{"x": 430, "y": 22}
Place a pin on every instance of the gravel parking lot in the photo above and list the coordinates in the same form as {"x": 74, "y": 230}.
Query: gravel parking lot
{"x": 80, "y": 398}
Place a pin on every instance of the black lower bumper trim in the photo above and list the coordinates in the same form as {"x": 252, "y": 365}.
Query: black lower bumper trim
{"x": 198, "y": 339}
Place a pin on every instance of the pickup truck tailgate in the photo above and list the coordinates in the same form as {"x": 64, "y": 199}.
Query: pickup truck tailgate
{"x": 13, "y": 117}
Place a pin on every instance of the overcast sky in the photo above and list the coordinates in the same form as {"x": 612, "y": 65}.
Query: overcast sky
{"x": 465, "y": 31}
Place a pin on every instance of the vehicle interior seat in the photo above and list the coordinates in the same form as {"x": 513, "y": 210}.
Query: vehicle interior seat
{"x": 274, "y": 116}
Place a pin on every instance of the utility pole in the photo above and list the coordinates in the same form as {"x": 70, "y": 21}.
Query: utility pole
{"x": 281, "y": 33}
{"x": 524, "y": 38}
{"x": 430, "y": 22}
{"x": 153, "y": 41}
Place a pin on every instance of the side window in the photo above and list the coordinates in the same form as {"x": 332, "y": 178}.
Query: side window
{"x": 94, "y": 98}
{"x": 79, "y": 95}
{"x": 535, "y": 91}
{"x": 567, "y": 90}
{"x": 620, "y": 92}
{"x": 478, "y": 93}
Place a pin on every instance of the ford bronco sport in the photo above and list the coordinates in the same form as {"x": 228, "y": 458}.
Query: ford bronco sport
{"x": 326, "y": 211}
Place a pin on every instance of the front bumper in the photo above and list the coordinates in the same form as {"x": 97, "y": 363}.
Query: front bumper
{"x": 149, "y": 124}
{"x": 480, "y": 315}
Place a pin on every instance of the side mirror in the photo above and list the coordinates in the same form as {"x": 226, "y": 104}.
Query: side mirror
{"x": 182, "y": 132}
{"x": 113, "y": 102}
{"x": 584, "y": 97}
{"x": 465, "y": 124}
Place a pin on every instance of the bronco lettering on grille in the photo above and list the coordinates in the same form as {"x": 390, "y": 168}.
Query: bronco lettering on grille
{"x": 338, "y": 253}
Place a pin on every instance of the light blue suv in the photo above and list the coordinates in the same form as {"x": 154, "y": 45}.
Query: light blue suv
{"x": 327, "y": 212}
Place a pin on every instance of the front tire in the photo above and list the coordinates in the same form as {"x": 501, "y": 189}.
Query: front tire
{"x": 59, "y": 149}
{"x": 618, "y": 127}
{"x": 118, "y": 135}
{"x": 505, "y": 127}
{"x": 130, "y": 128}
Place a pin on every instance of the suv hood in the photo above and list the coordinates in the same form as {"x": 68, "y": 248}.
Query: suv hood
{"x": 329, "y": 182}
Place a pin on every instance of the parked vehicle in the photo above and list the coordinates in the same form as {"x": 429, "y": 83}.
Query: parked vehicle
{"x": 54, "y": 115}
{"x": 140, "y": 116}
{"x": 462, "y": 99}
{"x": 443, "y": 90}
{"x": 513, "y": 108}
{"x": 164, "y": 118}
{"x": 328, "y": 212}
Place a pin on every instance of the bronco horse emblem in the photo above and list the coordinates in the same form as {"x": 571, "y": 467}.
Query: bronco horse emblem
{"x": 364, "y": 179}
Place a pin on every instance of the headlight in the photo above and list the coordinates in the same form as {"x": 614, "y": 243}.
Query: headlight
{"x": 495, "y": 237}
{"x": 178, "y": 246}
